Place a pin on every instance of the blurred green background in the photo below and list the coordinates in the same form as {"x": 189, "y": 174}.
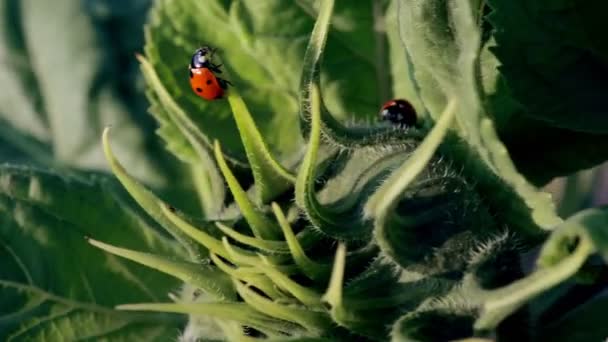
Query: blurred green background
{"x": 67, "y": 70}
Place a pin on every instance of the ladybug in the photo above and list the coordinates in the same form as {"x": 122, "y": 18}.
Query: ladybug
{"x": 202, "y": 72}
{"x": 399, "y": 112}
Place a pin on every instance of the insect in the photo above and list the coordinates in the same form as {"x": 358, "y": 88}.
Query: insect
{"x": 399, "y": 112}
{"x": 202, "y": 72}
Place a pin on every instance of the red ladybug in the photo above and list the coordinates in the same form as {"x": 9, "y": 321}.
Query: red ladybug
{"x": 399, "y": 112}
{"x": 202, "y": 75}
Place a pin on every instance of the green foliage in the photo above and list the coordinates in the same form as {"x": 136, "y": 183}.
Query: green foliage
{"x": 549, "y": 95}
{"x": 46, "y": 290}
{"x": 553, "y": 59}
{"x": 312, "y": 221}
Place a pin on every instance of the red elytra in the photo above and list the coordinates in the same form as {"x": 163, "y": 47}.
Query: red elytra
{"x": 205, "y": 84}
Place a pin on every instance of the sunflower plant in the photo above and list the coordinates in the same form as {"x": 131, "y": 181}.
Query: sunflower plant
{"x": 305, "y": 218}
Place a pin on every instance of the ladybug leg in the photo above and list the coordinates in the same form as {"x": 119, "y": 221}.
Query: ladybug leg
{"x": 223, "y": 83}
{"x": 215, "y": 68}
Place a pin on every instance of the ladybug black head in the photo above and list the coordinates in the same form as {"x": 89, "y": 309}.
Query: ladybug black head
{"x": 399, "y": 112}
{"x": 201, "y": 57}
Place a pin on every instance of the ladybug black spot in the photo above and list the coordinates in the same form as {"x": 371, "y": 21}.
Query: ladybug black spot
{"x": 199, "y": 90}
{"x": 209, "y": 82}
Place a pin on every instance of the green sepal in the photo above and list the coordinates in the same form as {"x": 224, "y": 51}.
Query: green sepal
{"x": 316, "y": 322}
{"x": 250, "y": 276}
{"x": 260, "y": 225}
{"x": 239, "y": 312}
{"x": 312, "y": 269}
{"x": 213, "y": 281}
{"x": 243, "y": 257}
{"x": 336, "y": 224}
{"x": 270, "y": 246}
{"x": 148, "y": 201}
{"x": 199, "y": 235}
{"x": 279, "y": 275}
{"x": 271, "y": 178}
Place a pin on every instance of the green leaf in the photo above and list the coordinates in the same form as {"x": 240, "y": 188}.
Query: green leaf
{"x": 540, "y": 150}
{"x": 556, "y": 71}
{"x": 357, "y": 31}
{"x": 59, "y": 318}
{"x": 44, "y": 219}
